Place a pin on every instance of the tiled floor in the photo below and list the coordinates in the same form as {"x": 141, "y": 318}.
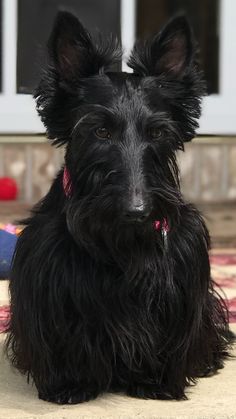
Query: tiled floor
{"x": 11, "y": 212}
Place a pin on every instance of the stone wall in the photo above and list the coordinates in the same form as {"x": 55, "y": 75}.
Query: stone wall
{"x": 208, "y": 167}
{"x": 208, "y": 170}
{"x": 32, "y": 165}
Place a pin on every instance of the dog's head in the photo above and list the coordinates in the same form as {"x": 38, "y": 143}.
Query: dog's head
{"x": 121, "y": 130}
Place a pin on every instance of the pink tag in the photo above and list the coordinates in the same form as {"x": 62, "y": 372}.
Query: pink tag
{"x": 164, "y": 225}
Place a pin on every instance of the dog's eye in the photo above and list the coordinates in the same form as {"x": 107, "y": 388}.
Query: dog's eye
{"x": 155, "y": 133}
{"x": 102, "y": 133}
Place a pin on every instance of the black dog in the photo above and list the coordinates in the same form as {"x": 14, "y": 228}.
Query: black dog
{"x": 110, "y": 286}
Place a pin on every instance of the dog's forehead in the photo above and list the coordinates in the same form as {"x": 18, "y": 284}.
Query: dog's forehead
{"x": 122, "y": 91}
{"x": 128, "y": 82}
{"x": 129, "y": 94}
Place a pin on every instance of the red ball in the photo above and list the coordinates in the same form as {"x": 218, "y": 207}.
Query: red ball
{"x": 8, "y": 189}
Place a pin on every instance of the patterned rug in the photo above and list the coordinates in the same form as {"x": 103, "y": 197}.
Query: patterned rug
{"x": 223, "y": 268}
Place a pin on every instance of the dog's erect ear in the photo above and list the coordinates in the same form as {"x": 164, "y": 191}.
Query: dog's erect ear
{"x": 175, "y": 47}
{"x": 69, "y": 44}
{"x": 170, "y": 52}
{"x": 74, "y": 53}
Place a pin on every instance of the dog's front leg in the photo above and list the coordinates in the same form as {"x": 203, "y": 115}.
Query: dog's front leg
{"x": 192, "y": 317}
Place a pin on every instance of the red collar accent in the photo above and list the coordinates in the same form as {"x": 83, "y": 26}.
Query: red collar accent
{"x": 67, "y": 186}
{"x": 66, "y": 181}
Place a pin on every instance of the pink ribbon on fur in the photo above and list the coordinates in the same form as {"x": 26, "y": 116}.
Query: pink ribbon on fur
{"x": 67, "y": 186}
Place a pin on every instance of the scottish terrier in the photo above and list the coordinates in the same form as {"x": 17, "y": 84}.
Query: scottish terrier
{"x": 110, "y": 286}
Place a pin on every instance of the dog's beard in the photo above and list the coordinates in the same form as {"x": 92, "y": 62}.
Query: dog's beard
{"x": 94, "y": 226}
{"x": 98, "y": 226}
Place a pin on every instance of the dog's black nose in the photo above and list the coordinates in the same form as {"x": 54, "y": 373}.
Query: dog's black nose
{"x": 138, "y": 207}
{"x": 137, "y": 214}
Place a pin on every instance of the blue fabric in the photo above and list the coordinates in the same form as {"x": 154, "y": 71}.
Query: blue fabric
{"x": 7, "y": 247}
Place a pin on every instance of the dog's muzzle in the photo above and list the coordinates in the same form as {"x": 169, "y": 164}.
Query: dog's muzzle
{"x": 158, "y": 225}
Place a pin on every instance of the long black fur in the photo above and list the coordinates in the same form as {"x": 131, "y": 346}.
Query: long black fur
{"x": 101, "y": 302}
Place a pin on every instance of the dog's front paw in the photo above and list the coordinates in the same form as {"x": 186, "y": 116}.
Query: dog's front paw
{"x": 69, "y": 396}
{"x": 211, "y": 370}
{"x": 151, "y": 391}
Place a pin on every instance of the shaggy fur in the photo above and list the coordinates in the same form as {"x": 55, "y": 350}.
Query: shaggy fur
{"x": 100, "y": 300}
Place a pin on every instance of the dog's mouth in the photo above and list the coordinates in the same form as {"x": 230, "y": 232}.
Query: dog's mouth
{"x": 93, "y": 223}
{"x": 157, "y": 223}
{"x": 108, "y": 238}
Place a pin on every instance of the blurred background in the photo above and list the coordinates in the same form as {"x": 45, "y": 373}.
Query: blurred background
{"x": 208, "y": 168}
